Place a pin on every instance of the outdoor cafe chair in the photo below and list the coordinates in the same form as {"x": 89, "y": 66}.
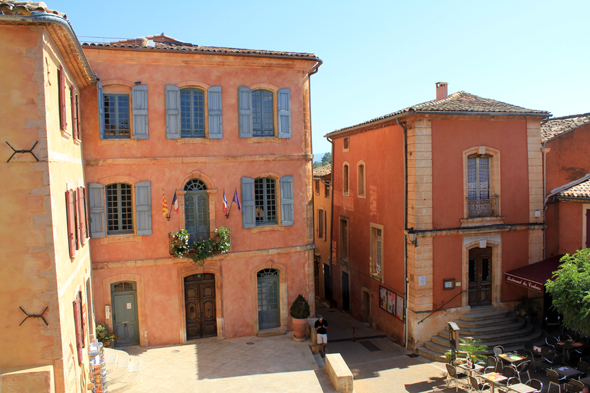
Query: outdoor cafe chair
{"x": 577, "y": 386}
{"x": 490, "y": 365}
{"x": 583, "y": 367}
{"x": 478, "y": 386}
{"x": 534, "y": 355}
{"x": 498, "y": 350}
{"x": 510, "y": 373}
{"x": 554, "y": 379}
{"x": 523, "y": 368}
{"x": 459, "y": 379}
{"x": 581, "y": 354}
{"x": 535, "y": 383}
{"x": 554, "y": 361}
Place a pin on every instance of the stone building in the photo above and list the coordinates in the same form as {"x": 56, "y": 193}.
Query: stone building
{"x": 322, "y": 202}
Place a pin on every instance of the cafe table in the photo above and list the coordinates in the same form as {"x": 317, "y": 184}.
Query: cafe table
{"x": 567, "y": 371}
{"x": 567, "y": 345}
{"x": 475, "y": 370}
{"x": 512, "y": 357}
{"x": 492, "y": 378}
{"x": 521, "y": 388}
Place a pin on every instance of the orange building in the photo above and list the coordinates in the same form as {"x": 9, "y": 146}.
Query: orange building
{"x": 432, "y": 205}
{"x": 171, "y": 118}
{"x": 46, "y": 318}
{"x": 322, "y": 203}
{"x": 567, "y": 186}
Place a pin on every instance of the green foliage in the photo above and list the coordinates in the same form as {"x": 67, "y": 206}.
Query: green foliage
{"x": 205, "y": 249}
{"x": 180, "y": 243}
{"x": 224, "y": 243}
{"x": 570, "y": 289}
{"x": 317, "y": 164}
{"x": 104, "y": 335}
{"x": 300, "y": 308}
{"x": 473, "y": 348}
{"x": 326, "y": 159}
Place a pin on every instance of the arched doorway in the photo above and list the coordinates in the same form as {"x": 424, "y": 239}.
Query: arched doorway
{"x": 269, "y": 310}
{"x": 196, "y": 210}
{"x": 199, "y": 300}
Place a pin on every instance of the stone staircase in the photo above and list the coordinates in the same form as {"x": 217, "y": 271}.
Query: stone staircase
{"x": 493, "y": 327}
{"x": 123, "y": 370}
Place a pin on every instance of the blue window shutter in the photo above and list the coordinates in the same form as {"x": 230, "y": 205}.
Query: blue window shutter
{"x": 215, "y": 114}
{"x": 143, "y": 208}
{"x": 245, "y": 103}
{"x": 284, "y": 113}
{"x": 172, "y": 112}
{"x": 97, "y": 210}
{"x": 100, "y": 98}
{"x": 140, "y": 112}
{"x": 248, "y": 209}
{"x": 287, "y": 217}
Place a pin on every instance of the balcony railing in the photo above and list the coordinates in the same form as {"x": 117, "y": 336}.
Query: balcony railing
{"x": 482, "y": 207}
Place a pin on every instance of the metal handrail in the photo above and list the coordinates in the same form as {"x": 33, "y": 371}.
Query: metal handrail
{"x": 441, "y": 307}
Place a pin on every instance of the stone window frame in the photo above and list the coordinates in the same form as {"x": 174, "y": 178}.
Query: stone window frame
{"x": 372, "y": 250}
{"x": 119, "y": 87}
{"x": 495, "y": 242}
{"x": 361, "y": 180}
{"x": 341, "y": 250}
{"x": 211, "y": 192}
{"x": 495, "y": 182}
{"x": 345, "y": 178}
{"x": 346, "y": 144}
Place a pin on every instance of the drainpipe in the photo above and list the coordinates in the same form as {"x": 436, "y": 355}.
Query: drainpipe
{"x": 331, "y": 218}
{"x": 544, "y": 150}
{"x": 406, "y": 280}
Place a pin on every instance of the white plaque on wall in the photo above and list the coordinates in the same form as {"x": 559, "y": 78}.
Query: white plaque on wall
{"x": 421, "y": 281}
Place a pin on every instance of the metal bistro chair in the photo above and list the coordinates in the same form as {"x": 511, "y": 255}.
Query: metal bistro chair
{"x": 510, "y": 373}
{"x": 490, "y": 363}
{"x": 498, "y": 350}
{"x": 523, "y": 368}
{"x": 478, "y": 386}
{"x": 535, "y": 383}
{"x": 583, "y": 367}
{"x": 554, "y": 379}
{"x": 453, "y": 376}
{"x": 577, "y": 386}
{"x": 534, "y": 355}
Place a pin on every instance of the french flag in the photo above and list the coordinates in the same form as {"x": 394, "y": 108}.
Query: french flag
{"x": 224, "y": 203}
{"x": 175, "y": 203}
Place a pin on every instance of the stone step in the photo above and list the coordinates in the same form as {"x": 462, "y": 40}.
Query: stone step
{"x": 123, "y": 370}
{"x": 474, "y": 331}
{"x": 126, "y": 383}
{"x": 482, "y": 315}
{"x": 490, "y": 321}
{"x": 431, "y": 355}
{"x": 490, "y": 335}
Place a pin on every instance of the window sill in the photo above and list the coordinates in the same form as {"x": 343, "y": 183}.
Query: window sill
{"x": 267, "y": 228}
{"x": 265, "y": 139}
{"x": 377, "y": 276}
{"x": 362, "y": 196}
{"x": 121, "y": 239}
{"x": 481, "y": 221}
{"x": 65, "y": 135}
{"x": 77, "y": 141}
{"x": 196, "y": 141}
{"x": 131, "y": 142}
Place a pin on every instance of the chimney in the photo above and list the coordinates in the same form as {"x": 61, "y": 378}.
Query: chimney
{"x": 441, "y": 91}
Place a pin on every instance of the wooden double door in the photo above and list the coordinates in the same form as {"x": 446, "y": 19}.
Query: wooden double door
{"x": 199, "y": 302}
{"x": 480, "y": 276}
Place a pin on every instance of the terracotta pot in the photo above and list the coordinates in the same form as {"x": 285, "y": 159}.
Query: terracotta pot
{"x": 299, "y": 326}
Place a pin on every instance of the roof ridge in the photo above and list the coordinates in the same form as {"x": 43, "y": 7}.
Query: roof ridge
{"x": 567, "y": 117}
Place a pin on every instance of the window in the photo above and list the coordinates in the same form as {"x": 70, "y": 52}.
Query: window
{"x": 260, "y": 201}
{"x": 61, "y": 85}
{"x": 317, "y": 187}
{"x": 116, "y": 116}
{"x": 327, "y": 189}
{"x": 322, "y": 224}
{"x": 75, "y": 121}
{"x": 343, "y": 249}
{"x": 345, "y": 143}
{"x": 345, "y": 179}
{"x": 112, "y": 211}
{"x": 262, "y": 113}
{"x": 192, "y": 113}
{"x": 257, "y": 113}
{"x": 119, "y": 209}
{"x": 479, "y": 200}
{"x": 361, "y": 180}
{"x": 376, "y": 250}
{"x": 76, "y": 220}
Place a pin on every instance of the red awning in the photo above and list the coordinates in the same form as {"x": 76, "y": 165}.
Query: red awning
{"x": 534, "y": 276}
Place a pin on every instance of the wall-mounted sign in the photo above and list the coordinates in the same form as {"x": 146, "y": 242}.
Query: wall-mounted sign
{"x": 391, "y": 302}
{"x": 421, "y": 281}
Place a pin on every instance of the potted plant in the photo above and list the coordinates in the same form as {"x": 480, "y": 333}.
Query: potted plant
{"x": 180, "y": 243}
{"x": 104, "y": 335}
{"x": 469, "y": 349}
{"x": 299, "y": 313}
{"x": 205, "y": 249}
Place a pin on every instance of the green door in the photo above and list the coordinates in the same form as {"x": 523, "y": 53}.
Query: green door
{"x": 196, "y": 213}
{"x": 125, "y": 324}
{"x": 269, "y": 312}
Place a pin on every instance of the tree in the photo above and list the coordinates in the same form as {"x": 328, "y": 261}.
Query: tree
{"x": 326, "y": 159}
{"x": 317, "y": 164}
{"x": 570, "y": 289}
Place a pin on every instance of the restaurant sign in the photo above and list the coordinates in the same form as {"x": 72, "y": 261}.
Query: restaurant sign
{"x": 524, "y": 282}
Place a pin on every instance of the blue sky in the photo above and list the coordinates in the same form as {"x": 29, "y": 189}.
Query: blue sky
{"x": 381, "y": 56}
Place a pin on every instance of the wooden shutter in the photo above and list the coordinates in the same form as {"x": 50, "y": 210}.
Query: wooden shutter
{"x": 215, "y": 113}
{"x": 62, "y": 98}
{"x": 97, "y": 210}
{"x": 172, "y": 112}
{"x": 79, "y": 340}
{"x": 71, "y": 222}
{"x": 74, "y": 104}
{"x": 143, "y": 208}
{"x": 140, "y": 112}
{"x": 248, "y": 207}
{"x": 100, "y": 98}
{"x": 85, "y": 212}
{"x": 325, "y": 225}
{"x": 81, "y": 215}
{"x": 245, "y": 104}
{"x": 76, "y": 219}
{"x": 287, "y": 201}
{"x": 284, "y": 113}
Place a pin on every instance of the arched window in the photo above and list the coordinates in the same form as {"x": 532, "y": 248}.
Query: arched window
{"x": 196, "y": 210}
{"x": 262, "y": 113}
{"x": 192, "y": 113}
{"x": 119, "y": 208}
{"x": 195, "y": 185}
{"x": 361, "y": 180}
{"x": 345, "y": 179}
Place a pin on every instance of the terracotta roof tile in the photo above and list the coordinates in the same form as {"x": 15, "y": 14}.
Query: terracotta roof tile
{"x": 554, "y": 127}
{"x": 158, "y": 43}
{"x": 322, "y": 170}
{"x": 26, "y": 8}
{"x": 580, "y": 191}
{"x": 460, "y": 102}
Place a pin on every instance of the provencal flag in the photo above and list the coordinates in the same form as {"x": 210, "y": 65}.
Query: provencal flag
{"x": 175, "y": 203}
{"x": 164, "y": 204}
